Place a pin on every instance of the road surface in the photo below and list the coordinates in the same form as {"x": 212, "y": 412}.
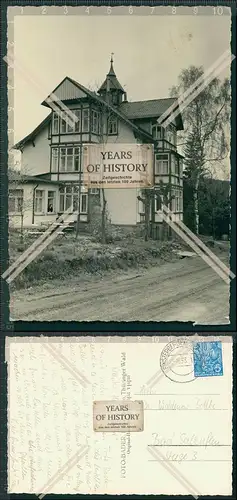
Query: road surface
{"x": 184, "y": 290}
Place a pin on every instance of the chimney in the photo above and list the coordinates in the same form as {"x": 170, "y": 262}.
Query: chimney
{"x": 125, "y": 97}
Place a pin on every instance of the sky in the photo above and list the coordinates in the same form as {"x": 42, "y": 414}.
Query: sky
{"x": 149, "y": 53}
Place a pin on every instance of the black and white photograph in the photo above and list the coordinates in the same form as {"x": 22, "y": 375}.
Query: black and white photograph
{"x": 119, "y": 172}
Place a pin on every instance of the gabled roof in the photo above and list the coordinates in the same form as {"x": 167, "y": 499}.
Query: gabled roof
{"x": 91, "y": 95}
{"x": 114, "y": 110}
{"x": 33, "y": 134}
{"x": 149, "y": 109}
{"x": 66, "y": 90}
{"x": 70, "y": 89}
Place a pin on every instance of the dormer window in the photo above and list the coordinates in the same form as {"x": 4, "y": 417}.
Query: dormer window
{"x": 115, "y": 98}
{"x": 112, "y": 125}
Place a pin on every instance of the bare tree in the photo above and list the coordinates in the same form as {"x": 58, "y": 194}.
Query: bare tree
{"x": 17, "y": 180}
{"x": 94, "y": 86}
{"x": 105, "y": 115}
{"x": 207, "y": 120}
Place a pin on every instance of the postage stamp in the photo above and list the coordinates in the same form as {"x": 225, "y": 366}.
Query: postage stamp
{"x": 182, "y": 360}
{"x": 207, "y": 359}
{"x": 118, "y": 416}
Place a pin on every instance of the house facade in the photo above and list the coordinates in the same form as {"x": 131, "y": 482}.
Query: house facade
{"x": 52, "y": 154}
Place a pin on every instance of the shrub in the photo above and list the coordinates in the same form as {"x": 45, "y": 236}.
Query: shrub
{"x": 86, "y": 255}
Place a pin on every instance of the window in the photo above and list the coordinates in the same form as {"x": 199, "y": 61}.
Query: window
{"x": 179, "y": 195}
{"x": 158, "y": 203}
{"x": 115, "y": 98}
{"x": 69, "y": 124}
{"x": 112, "y": 125}
{"x": 66, "y": 124}
{"x": 51, "y": 206}
{"x": 176, "y": 166}
{"x": 156, "y": 132}
{"x": 65, "y": 159}
{"x": 15, "y": 200}
{"x": 83, "y": 204}
{"x": 172, "y": 164}
{"x": 77, "y": 112}
{"x": 95, "y": 122}
{"x": 174, "y": 137}
{"x": 85, "y": 120}
{"x": 94, "y": 190}
{"x": 76, "y": 160}
{"x": 69, "y": 197}
{"x": 55, "y": 127}
{"x": 39, "y": 201}
{"x": 176, "y": 181}
{"x": 162, "y": 164}
{"x": 177, "y": 208}
{"x": 54, "y": 163}
{"x": 177, "y": 202}
{"x": 69, "y": 159}
{"x": 141, "y": 207}
{"x": 181, "y": 201}
{"x": 170, "y": 134}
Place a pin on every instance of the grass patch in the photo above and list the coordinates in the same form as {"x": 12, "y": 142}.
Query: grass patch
{"x": 68, "y": 256}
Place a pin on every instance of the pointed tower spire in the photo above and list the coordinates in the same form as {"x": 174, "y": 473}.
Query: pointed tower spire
{"x": 111, "y": 71}
{"x": 112, "y": 86}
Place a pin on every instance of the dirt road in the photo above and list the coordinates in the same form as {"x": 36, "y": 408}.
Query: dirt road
{"x": 185, "y": 290}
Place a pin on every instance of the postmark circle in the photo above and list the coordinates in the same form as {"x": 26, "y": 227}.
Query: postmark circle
{"x": 176, "y": 361}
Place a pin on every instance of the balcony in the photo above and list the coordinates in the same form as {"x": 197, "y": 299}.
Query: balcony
{"x": 166, "y": 138}
{"x": 164, "y": 145}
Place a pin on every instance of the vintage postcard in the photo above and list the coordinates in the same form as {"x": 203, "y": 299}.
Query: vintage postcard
{"x": 119, "y": 171}
{"x": 120, "y": 415}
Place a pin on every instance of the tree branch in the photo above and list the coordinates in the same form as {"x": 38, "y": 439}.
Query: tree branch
{"x": 205, "y": 137}
{"x": 215, "y": 159}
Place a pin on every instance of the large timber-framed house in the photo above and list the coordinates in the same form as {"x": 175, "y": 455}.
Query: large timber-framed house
{"x": 51, "y": 154}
